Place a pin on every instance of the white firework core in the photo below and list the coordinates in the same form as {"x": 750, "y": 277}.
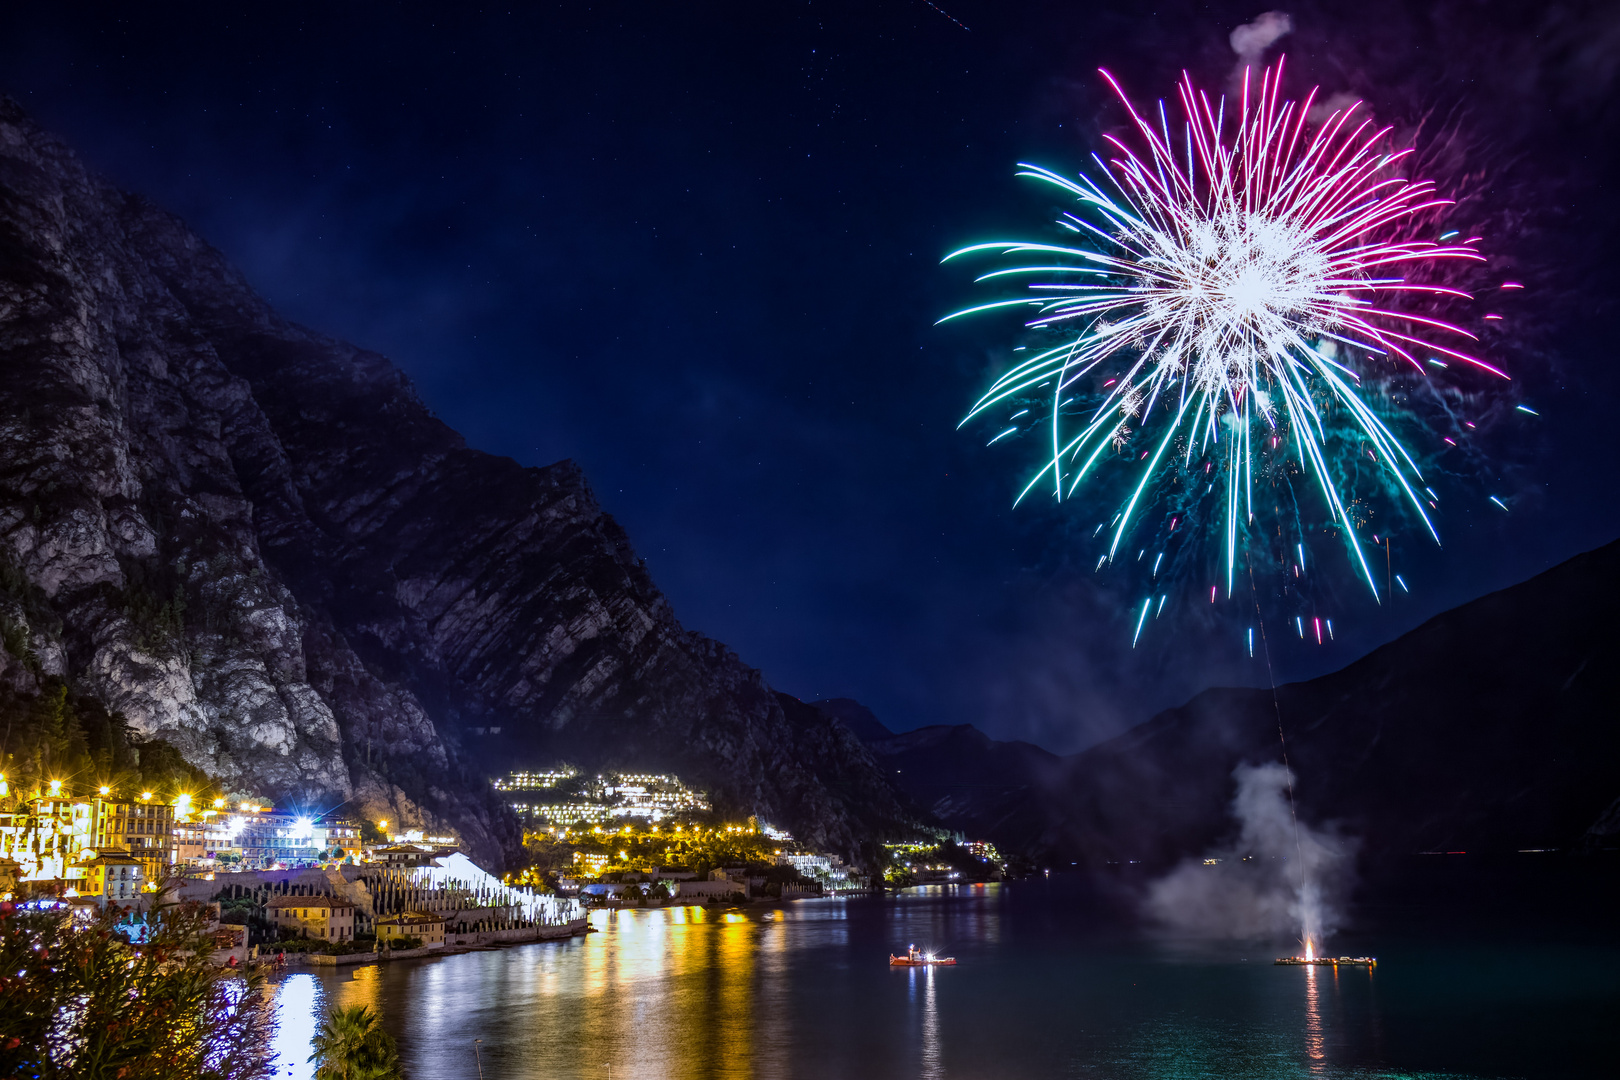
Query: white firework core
{"x": 1223, "y": 271}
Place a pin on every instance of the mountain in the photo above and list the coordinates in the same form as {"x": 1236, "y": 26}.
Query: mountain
{"x": 1493, "y": 727}
{"x": 857, "y": 717}
{"x": 255, "y": 543}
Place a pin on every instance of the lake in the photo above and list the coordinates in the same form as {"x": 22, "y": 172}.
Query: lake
{"x": 1041, "y": 990}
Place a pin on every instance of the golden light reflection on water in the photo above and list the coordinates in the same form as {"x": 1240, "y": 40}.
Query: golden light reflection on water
{"x": 701, "y": 992}
{"x": 1315, "y": 1041}
{"x": 650, "y": 988}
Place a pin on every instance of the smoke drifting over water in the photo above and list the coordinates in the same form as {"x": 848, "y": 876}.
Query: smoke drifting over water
{"x": 1253, "y": 887}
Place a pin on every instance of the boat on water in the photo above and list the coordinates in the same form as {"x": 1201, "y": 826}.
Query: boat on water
{"x": 1327, "y": 961}
{"x": 915, "y": 957}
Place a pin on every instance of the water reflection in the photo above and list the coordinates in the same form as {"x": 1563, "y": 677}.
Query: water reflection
{"x": 932, "y": 1063}
{"x": 297, "y": 1004}
{"x": 806, "y": 992}
{"x": 1315, "y": 1042}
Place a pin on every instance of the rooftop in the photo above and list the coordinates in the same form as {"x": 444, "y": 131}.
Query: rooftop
{"x": 309, "y": 901}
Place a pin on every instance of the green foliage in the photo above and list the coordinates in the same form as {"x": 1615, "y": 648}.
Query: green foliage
{"x": 407, "y": 941}
{"x": 352, "y": 1045}
{"x": 56, "y": 735}
{"x": 14, "y": 635}
{"x": 326, "y": 948}
{"x": 78, "y": 1002}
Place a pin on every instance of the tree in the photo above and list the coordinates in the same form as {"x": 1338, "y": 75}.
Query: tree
{"x": 352, "y": 1045}
{"x": 78, "y": 1001}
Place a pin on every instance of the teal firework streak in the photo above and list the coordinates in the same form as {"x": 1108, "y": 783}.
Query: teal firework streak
{"x": 1234, "y": 282}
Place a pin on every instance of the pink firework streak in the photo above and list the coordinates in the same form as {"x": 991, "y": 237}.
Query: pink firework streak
{"x": 1235, "y": 276}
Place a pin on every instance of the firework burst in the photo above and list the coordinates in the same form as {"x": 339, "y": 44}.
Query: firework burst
{"x": 1232, "y": 284}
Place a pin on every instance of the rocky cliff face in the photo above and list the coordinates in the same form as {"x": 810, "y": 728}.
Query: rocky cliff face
{"x": 257, "y": 543}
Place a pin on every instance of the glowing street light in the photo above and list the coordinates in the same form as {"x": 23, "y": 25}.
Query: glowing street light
{"x": 56, "y": 787}
{"x": 104, "y": 790}
{"x": 146, "y": 796}
{"x": 219, "y": 803}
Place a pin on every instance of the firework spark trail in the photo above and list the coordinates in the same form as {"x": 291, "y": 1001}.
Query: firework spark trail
{"x": 1231, "y": 279}
{"x": 947, "y": 14}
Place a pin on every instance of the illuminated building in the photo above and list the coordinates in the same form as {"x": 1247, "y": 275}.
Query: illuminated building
{"x": 269, "y": 837}
{"x": 828, "y": 868}
{"x": 981, "y": 849}
{"x": 601, "y": 799}
{"x": 588, "y": 864}
{"x": 47, "y": 837}
{"x": 427, "y": 926}
{"x": 113, "y": 876}
{"x": 327, "y": 917}
{"x": 142, "y": 827}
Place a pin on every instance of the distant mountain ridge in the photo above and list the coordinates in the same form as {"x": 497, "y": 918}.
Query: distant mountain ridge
{"x": 1492, "y": 727}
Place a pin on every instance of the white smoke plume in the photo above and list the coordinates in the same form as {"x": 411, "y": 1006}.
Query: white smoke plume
{"x": 1251, "y": 40}
{"x": 1253, "y": 888}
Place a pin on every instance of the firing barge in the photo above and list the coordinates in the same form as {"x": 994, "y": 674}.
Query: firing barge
{"x": 1328, "y": 961}
{"x": 916, "y": 958}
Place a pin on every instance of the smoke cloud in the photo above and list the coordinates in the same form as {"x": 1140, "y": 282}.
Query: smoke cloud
{"x": 1251, "y": 40}
{"x": 1253, "y": 887}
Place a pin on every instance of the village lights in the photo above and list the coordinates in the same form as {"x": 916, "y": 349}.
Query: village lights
{"x": 219, "y": 802}
{"x": 56, "y": 787}
{"x": 146, "y": 796}
{"x": 104, "y": 790}
{"x": 382, "y": 826}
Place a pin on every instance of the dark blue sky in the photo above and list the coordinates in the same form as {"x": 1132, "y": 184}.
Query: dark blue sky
{"x": 695, "y": 248}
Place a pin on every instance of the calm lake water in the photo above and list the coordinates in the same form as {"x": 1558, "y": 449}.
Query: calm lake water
{"x": 806, "y": 991}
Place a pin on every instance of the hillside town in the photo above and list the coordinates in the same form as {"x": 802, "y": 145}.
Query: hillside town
{"x": 649, "y": 839}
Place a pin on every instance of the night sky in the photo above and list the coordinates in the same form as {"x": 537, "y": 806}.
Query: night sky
{"x": 695, "y": 247}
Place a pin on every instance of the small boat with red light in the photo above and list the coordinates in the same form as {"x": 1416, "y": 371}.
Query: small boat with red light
{"x": 915, "y": 957}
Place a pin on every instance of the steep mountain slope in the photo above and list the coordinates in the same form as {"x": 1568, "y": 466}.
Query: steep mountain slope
{"x": 1492, "y": 727}
{"x": 257, "y": 543}
{"x": 1007, "y": 792}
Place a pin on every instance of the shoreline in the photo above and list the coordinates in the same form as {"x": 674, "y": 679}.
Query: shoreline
{"x": 484, "y": 941}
